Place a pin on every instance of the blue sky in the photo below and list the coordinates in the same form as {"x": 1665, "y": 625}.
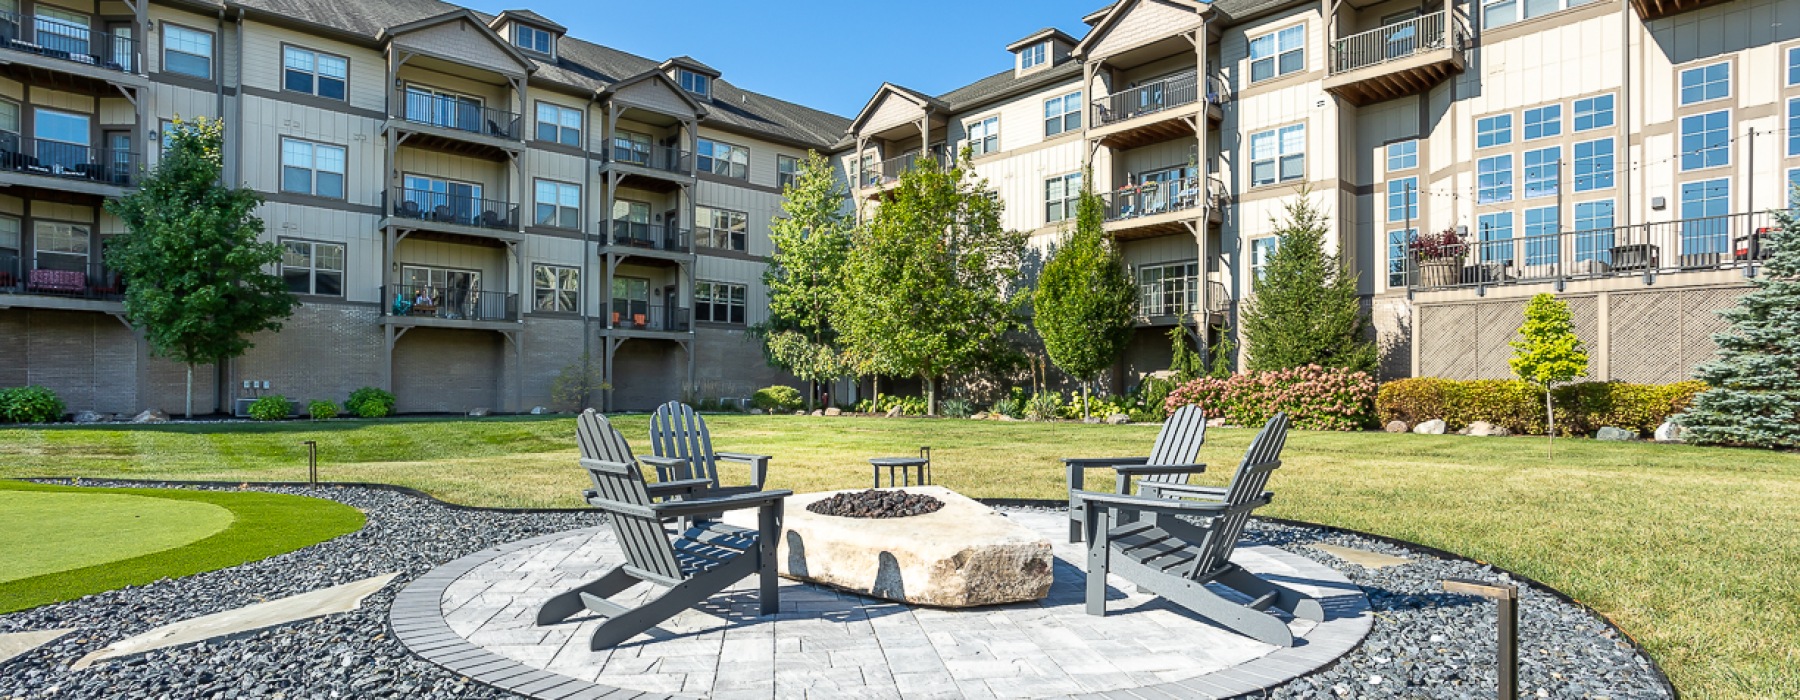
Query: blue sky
{"x": 822, "y": 54}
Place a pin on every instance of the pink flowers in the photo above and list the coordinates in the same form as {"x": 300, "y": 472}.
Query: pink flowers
{"x": 1314, "y": 397}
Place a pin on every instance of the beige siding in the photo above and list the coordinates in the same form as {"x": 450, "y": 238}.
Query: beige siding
{"x": 654, "y": 95}
{"x": 892, "y": 111}
{"x": 263, "y": 68}
{"x": 1146, "y": 21}
{"x": 465, "y": 42}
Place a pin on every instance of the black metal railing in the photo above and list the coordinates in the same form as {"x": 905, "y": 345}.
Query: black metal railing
{"x": 637, "y": 234}
{"x": 67, "y": 160}
{"x": 71, "y": 276}
{"x": 56, "y": 38}
{"x": 427, "y": 205}
{"x": 1158, "y": 96}
{"x": 664, "y": 158}
{"x": 1179, "y": 296}
{"x": 459, "y": 115}
{"x": 449, "y": 303}
{"x": 889, "y": 171}
{"x": 641, "y": 316}
{"x": 1395, "y": 41}
{"x": 1161, "y": 197}
{"x": 1706, "y": 243}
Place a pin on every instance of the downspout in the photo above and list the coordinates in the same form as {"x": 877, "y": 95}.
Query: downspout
{"x": 237, "y": 134}
{"x": 589, "y": 249}
{"x": 1625, "y": 206}
{"x": 223, "y": 371}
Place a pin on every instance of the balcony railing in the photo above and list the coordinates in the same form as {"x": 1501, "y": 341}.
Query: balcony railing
{"x": 1179, "y": 296}
{"x": 449, "y": 303}
{"x": 653, "y": 236}
{"x": 1152, "y": 198}
{"x": 1162, "y": 95}
{"x": 60, "y": 276}
{"x": 427, "y": 205}
{"x": 640, "y": 316}
{"x": 67, "y": 160}
{"x": 1714, "y": 242}
{"x": 432, "y": 110}
{"x": 664, "y": 158}
{"x": 56, "y": 38}
{"x": 1394, "y": 42}
{"x": 889, "y": 171}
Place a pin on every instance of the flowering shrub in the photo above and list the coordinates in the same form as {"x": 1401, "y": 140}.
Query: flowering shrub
{"x": 1314, "y": 397}
{"x": 1443, "y": 245}
{"x": 1581, "y": 408}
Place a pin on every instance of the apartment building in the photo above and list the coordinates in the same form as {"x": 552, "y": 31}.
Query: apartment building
{"x": 468, "y": 203}
{"x": 1619, "y": 153}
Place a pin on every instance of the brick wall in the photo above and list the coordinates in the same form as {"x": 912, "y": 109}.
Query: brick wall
{"x": 323, "y": 351}
{"x": 448, "y": 370}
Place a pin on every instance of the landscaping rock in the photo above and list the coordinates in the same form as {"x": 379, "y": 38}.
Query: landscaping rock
{"x": 479, "y": 413}
{"x": 818, "y": 412}
{"x": 1431, "y": 427}
{"x": 1091, "y": 420}
{"x": 1006, "y": 418}
{"x": 1611, "y": 434}
{"x": 1118, "y": 419}
{"x": 1215, "y": 422}
{"x": 1670, "y": 432}
{"x": 979, "y": 416}
{"x": 799, "y": 413}
{"x": 756, "y": 411}
{"x": 834, "y": 411}
{"x": 93, "y": 417}
{"x": 1398, "y": 426}
{"x": 1483, "y": 428}
{"x": 151, "y": 415}
{"x": 895, "y": 412}
{"x": 539, "y": 411}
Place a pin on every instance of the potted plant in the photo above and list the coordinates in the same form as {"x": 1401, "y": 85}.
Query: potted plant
{"x": 1438, "y": 256}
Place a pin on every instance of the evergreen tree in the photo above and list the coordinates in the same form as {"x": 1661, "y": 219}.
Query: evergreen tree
{"x": 812, "y": 241}
{"x": 1548, "y": 352}
{"x": 1305, "y": 310}
{"x": 1754, "y": 394}
{"x": 1085, "y": 303}
{"x": 197, "y": 275}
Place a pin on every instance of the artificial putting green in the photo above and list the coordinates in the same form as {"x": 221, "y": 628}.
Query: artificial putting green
{"x": 65, "y": 542}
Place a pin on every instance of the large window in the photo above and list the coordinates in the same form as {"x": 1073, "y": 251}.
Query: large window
{"x": 1493, "y": 179}
{"x": 697, "y": 83}
{"x": 1278, "y": 53}
{"x": 441, "y": 199}
{"x": 555, "y": 288}
{"x": 1542, "y": 171}
{"x": 455, "y": 292}
{"x": 1170, "y": 289}
{"x": 1403, "y": 199}
{"x": 1496, "y": 232}
{"x": 11, "y": 236}
{"x": 787, "y": 171}
{"x": 1793, "y": 127}
{"x": 1402, "y": 155}
{"x": 313, "y": 73}
{"x": 1543, "y": 122}
{"x": 721, "y": 228}
{"x": 187, "y": 51}
{"x": 1062, "y": 194}
{"x": 1493, "y": 131}
{"x": 1062, "y": 114}
{"x": 1793, "y": 66}
{"x": 428, "y": 105}
{"x": 1594, "y": 165}
{"x": 1033, "y": 55}
{"x": 984, "y": 136}
{"x": 630, "y": 301}
{"x": 1261, "y": 250}
{"x": 1594, "y": 113}
{"x": 312, "y": 168}
{"x": 1278, "y": 155}
{"x": 1499, "y": 13}
{"x": 1594, "y": 231}
{"x": 531, "y": 38}
{"x": 558, "y": 124}
{"x": 558, "y": 204}
{"x": 724, "y": 159}
{"x": 62, "y": 139}
{"x": 310, "y": 267}
{"x": 719, "y": 302}
{"x": 1706, "y": 140}
{"x": 1704, "y": 229}
{"x": 60, "y": 245}
{"x": 1705, "y": 83}
{"x": 1399, "y": 245}
{"x": 1542, "y": 246}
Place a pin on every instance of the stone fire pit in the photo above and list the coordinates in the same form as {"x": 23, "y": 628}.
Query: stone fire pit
{"x": 962, "y": 555}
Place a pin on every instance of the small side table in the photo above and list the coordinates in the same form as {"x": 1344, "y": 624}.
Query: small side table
{"x": 906, "y": 466}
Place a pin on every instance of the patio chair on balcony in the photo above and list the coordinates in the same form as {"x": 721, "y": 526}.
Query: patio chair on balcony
{"x": 410, "y": 209}
{"x": 491, "y": 219}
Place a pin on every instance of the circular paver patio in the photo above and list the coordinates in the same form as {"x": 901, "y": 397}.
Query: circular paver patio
{"x": 475, "y": 616}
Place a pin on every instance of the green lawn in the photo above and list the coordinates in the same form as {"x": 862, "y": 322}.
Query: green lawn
{"x": 65, "y": 542}
{"x": 1690, "y": 550}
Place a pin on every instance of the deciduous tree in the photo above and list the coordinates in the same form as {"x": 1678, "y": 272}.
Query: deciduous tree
{"x": 805, "y": 277}
{"x": 1548, "y": 352}
{"x": 1085, "y": 303}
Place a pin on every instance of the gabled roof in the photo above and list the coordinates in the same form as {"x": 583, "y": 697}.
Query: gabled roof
{"x": 527, "y": 17}
{"x": 1092, "y": 17}
{"x": 1041, "y": 35}
{"x": 1118, "y": 11}
{"x": 689, "y": 63}
{"x": 459, "y": 15}
{"x": 926, "y": 103}
{"x": 1009, "y": 83}
{"x": 655, "y": 75}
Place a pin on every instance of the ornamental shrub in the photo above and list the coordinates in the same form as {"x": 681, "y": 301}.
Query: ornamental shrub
{"x": 777, "y": 398}
{"x": 1581, "y": 408}
{"x": 1313, "y": 397}
{"x": 370, "y": 402}
{"x": 321, "y": 410}
{"x": 271, "y": 407}
{"x": 30, "y": 404}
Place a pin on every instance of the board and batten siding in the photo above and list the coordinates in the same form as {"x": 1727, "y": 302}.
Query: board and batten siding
{"x": 264, "y": 66}
{"x": 363, "y": 248}
{"x": 1146, "y": 21}
{"x": 461, "y": 41}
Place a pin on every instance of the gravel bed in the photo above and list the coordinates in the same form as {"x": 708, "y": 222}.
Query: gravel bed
{"x": 1424, "y": 644}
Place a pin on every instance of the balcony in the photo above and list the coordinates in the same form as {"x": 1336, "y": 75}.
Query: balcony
{"x": 67, "y": 167}
{"x": 1156, "y": 111}
{"x": 1395, "y": 60}
{"x": 454, "y": 214}
{"x": 56, "y": 46}
{"x": 1160, "y": 208}
{"x": 640, "y": 236}
{"x": 467, "y": 128}
{"x": 1686, "y": 245}
{"x": 1659, "y": 9}
{"x": 885, "y": 173}
{"x": 637, "y": 317}
{"x": 1167, "y": 301}
{"x": 421, "y": 305}
{"x": 58, "y": 282}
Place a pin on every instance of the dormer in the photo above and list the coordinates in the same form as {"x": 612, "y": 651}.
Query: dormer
{"x": 1044, "y": 48}
{"x": 533, "y": 33}
{"x": 694, "y": 77}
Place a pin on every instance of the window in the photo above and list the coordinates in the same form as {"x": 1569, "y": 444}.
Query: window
{"x": 1278, "y": 155}
{"x": 1493, "y": 179}
{"x": 309, "y": 267}
{"x": 555, "y": 288}
{"x": 787, "y": 170}
{"x": 984, "y": 136}
{"x": 1403, "y": 199}
{"x": 1493, "y": 131}
{"x": 1032, "y": 56}
{"x": 443, "y": 200}
{"x": 1499, "y": 13}
{"x": 1542, "y": 171}
{"x": 1278, "y": 53}
{"x": 1402, "y": 155}
{"x": 1261, "y": 250}
{"x": 62, "y": 139}
{"x": 719, "y": 302}
{"x": 313, "y": 73}
{"x": 1543, "y": 122}
{"x": 631, "y": 147}
{"x": 721, "y": 228}
{"x": 1594, "y": 231}
{"x": 427, "y": 105}
{"x": 1399, "y": 245}
{"x": 630, "y": 301}
{"x": 558, "y": 124}
{"x": 11, "y": 233}
{"x": 1062, "y": 114}
{"x": 1793, "y": 77}
{"x": 1594, "y": 113}
{"x": 1704, "y": 229}
{"x": 1705, "y": 139}
{"x": 312, "y": 168}
{"x": 697, "y": 83}
{"x": 558, "y": 204}
{"x": 1169, "y": 289}
{"x": 1061, "y": 197}
{"x": 1496, "y": 237}
{"x": 454, "y": 292}
{"x": 61, "y": 246}
{"x": 724, "y": 159}
{"x": 187, "y": 51}
{"x": 1542, "y": 247}
{"x": 1793, "y": 185}
{"x": 1705, "y": 83}
{"x": 531, "y": 38}
{"x": 1593, "y": 165}
{"x": 1793, "y": 127}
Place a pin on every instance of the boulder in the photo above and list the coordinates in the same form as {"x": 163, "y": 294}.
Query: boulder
{"x": 834, "y": 411}
{"x": 1006, "y": 418}
{"x": 818, "y": 412}
{"x": 1670, "y": 432}
{"x": 151, "y": 415}
{"x": 1398, "y": 426}
{"x": 799, "y": 413}
{"x": 479, "y": 413}
{"x": 1611, "y": 434}
{"x": 1431, "y": 427}
{"x": 895, "y": 412}
{"x": 1215, "y": 422}
{"x": 1117, "y": 419}
{"x": 963, "y": 555}
{"x": 539, "y": 411}
{"x": 756, "y": 411}
{"x": 1091, "y": 420}
{"x": 1483, "y": 428}
{"x": 979, "y": 416}
{"x": 93, "y": 417}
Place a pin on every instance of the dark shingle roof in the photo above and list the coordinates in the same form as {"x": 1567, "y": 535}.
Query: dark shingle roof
{"x": 1007, "y": 84}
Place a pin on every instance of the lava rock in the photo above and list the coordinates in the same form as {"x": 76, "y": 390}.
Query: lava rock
{"x": 876, "y": 504}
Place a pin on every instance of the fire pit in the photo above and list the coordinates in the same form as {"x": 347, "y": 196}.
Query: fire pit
{"x": 875, "y": 503}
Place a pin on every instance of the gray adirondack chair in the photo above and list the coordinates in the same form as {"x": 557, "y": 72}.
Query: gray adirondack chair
{"x": 683, "y": 450}
{"x": 599, "y": 441}
{"x": 1178, "y": 546}
{"x": 693, "y": 565}
{"x": 1171, "y": 460}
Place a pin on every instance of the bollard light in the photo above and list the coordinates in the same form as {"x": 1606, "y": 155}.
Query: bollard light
{"x": 1506, "y": 596}
{"x": 312, "y": 462}
{"x": 925, "y": 454}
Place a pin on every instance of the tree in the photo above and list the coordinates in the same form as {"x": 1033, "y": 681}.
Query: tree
{"x": 1548, "y": 353}
{"x": 577, "y": 383}
{"x": 1754, "y": 383}
{"x": 1305, "y": 310}
{"x": 196, "y": 273}
{"x": 1085, "y": 304}
{"x": 928, "y": 282}
{"x": 804, "y": 277}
